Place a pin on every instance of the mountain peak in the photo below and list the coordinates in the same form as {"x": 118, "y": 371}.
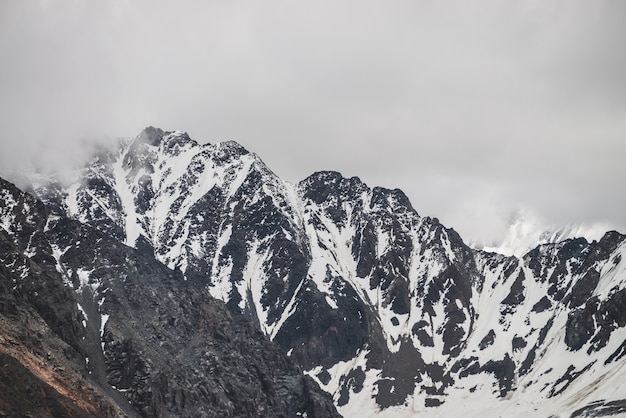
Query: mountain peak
{"x": 234, "y": 146}
{"x": 321, "y": 184}
{"x": 150, "y": 135}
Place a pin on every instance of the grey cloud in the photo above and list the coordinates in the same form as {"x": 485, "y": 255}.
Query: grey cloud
{"x": 474, "y": 109}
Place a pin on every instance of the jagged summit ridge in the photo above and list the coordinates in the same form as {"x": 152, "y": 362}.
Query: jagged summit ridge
{"x": 390, "y": 312}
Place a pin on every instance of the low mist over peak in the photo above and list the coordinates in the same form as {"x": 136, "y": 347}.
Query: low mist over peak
{"x": 473, "y": 111}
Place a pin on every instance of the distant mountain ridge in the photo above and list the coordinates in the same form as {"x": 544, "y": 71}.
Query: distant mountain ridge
{"x": 527, "y": 231}
{"x": 389, "y": 312}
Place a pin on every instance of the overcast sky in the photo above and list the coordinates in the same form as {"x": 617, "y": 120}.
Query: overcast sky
{"x": 474, "y": 109}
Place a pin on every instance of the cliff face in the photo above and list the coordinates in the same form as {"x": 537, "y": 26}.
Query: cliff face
{"x": 92, "y": 327}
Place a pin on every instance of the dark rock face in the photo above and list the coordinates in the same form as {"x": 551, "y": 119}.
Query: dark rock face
{"x": 583, "y": 289}
{"x": 516, "y": 295}
{"x": 543, "y": 304}
{"x": 43, "y": 363}
{"x": 487, "y": 340}
{"x": 580, "y": 326}
{"x": 146, "y": 341}
{"x": 322, "y": 335}
{"x": 24, "y": 393}
{"x": 601, "y": 409}
{"x": 504, "y": 371}
{"x": 26, "y": 250}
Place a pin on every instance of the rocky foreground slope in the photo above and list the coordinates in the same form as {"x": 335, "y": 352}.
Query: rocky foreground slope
{"x": 387, "y": 311}
{"x": 90, "y": 327}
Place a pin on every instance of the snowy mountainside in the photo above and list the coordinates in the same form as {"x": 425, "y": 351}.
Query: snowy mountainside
{"x": 390, "y": 312}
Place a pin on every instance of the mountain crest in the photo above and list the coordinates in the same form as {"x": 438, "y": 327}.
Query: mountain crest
{"x": 150, "y": 135}
{"x": 383, "y": 309}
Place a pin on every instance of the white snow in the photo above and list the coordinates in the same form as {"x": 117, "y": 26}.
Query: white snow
{"x": 612, "y": 273}
{"x": 86, "y": 318}
{"x": 131, "y": 224}
{"x": 103, "y": 321}
{"x": 72, "y": 199}
{"x": 242, "y": 172}
{"x": 83, "y": 277}
{"x": 273, "y": 329}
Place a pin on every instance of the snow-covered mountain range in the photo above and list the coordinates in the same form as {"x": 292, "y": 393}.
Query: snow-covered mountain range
{"x": 389, "y": 312}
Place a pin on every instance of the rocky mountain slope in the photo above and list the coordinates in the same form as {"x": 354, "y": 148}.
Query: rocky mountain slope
{"x": 388, "y": 311}
{"x": 91, "y": 327}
